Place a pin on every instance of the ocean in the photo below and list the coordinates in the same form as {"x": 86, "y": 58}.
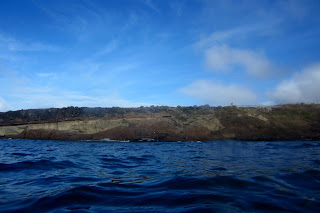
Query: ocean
{"x": 217, "y": 176}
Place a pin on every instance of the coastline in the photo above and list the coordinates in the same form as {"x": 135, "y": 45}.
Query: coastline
{"x": 161, "y": 123}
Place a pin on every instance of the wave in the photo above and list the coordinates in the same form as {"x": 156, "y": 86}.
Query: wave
{"x": 159, "y": 177}
{"x": 36, "y": 165}
{"x": 180, "y": 194}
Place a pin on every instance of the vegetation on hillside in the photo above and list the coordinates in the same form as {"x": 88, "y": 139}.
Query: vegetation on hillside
{"x": 283, "y": 122}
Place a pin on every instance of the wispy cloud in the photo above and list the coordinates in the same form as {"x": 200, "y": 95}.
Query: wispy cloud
{"x": 107, "y": 49}
{"x": 46, "y": 97}
{"x": 295, "y": 8}
{"x": 219, "y": 37}
{"x": 177, "y": 7}
{"x": 302, "y": 87}
{"x": 70, "y": 98}
{"x": 47, "y": 74}
{"x": 147, "y": 49}
{"x": 99, "y": 72}
{"x": 271, "y": 26}
{"x": 76, "y": 19}
{"x": 14, "y": 45}
{"x": 31, "y": 46}
{"x": 151, "y": 5}
{"x": 219, "y": 94}
{"x": 9, "y": 79}
{"x": 47, "y": 90}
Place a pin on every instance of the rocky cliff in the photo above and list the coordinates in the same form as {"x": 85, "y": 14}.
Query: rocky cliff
{"x": 162, "y": 123}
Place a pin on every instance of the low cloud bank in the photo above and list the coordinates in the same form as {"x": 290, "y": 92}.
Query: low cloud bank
{"x": 302, "y": 87}
{"x": 219, "y": 94}
{"x": 2, "y": 105}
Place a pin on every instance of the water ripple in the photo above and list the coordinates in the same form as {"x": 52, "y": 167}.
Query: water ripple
{"x": 223, "y": 176}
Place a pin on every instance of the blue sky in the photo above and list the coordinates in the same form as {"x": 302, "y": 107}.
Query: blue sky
{"x": 158, "y": 52}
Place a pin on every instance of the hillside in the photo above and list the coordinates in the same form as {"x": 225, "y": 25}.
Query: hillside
{"x": 162, "y": 123}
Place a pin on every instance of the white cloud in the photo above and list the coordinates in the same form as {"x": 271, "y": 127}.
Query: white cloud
{"x": 223, "y": 58}
{"x": 302, "y": 87}
{"x": 219, "y": 94}
{"x": 2, "y": 105}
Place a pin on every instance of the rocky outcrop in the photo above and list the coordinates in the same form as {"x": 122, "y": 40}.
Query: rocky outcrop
{"x": 287, "y": 122}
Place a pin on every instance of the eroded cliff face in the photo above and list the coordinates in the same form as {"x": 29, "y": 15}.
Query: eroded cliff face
{"x": 158, "y": 127}
{"x": 289, "y": 122}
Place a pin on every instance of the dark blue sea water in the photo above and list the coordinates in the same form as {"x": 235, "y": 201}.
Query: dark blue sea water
{"x": 221, "y": 176}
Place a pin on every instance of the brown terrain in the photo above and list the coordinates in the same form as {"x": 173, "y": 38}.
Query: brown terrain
{"x": 162, "y": 123}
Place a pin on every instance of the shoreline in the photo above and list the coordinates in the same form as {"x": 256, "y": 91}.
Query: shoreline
{"x": 217, "y": 140}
